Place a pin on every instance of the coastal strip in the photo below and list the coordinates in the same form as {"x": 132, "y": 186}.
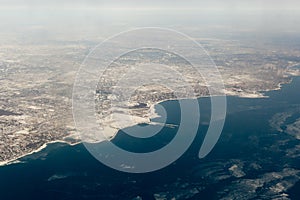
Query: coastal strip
{"x": 16, "y": 160}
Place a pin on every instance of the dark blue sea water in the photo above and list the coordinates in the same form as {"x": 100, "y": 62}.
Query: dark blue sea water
{"x": 69, "y": 172}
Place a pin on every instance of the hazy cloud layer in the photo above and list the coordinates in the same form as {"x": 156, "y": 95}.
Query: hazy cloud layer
{"x": 190, "y": 4}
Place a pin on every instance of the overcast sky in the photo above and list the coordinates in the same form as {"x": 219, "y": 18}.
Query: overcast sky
{"x": 154, "y": 4}
{"x": 82, "y": 18}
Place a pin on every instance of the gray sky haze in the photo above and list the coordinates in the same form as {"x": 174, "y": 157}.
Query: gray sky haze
{"x": 85, "y": 19}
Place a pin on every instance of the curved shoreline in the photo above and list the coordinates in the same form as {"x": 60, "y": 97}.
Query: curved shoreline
{"x": 153, "y": 114}
{"x": 13, "y": 161}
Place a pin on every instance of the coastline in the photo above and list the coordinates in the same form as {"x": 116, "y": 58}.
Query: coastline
{"x": 152, "y": 114}
{"x": 15, "y": 160}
